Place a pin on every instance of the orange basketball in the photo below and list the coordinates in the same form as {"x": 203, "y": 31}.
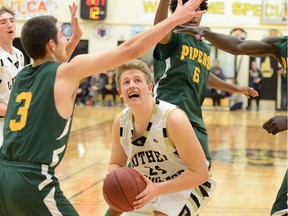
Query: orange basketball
{"x": 120, "y": 188}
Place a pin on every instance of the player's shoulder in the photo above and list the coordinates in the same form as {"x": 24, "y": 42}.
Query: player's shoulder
{"x": 165, "y": 105}
{"x": 16, "y": 50}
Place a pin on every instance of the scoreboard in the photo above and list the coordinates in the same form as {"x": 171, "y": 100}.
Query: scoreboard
{"x": 93, "y": 9}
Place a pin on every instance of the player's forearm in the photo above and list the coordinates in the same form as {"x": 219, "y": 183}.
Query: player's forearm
{"x": 162, "y": 11}
{"x": 216, "y": 83}
{"x": 224, "y": 42}
{"x": 151, "y": 36}
{"x": 187, "y": 180}
{"x": 71, "y": 45}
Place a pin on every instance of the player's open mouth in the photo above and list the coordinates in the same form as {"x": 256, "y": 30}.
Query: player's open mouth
{"x": 133, "y": 95}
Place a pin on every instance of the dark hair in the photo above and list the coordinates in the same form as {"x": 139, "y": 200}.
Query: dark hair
{"x": 36, "y": 33}
{"x": 8, "y": 10}
{"x": 173, "y": 5}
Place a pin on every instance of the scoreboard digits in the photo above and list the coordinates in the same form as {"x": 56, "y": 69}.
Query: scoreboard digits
{"x": 93, "y": 9}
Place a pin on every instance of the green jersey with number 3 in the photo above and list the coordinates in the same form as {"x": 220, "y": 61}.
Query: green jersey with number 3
{"x": 34, "y": 131}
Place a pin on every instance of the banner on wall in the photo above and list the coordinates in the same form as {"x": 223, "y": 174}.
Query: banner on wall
{"x": 26, "y": 9}
{"x": 275, "y": 12}
{"x": 231, "y": 12}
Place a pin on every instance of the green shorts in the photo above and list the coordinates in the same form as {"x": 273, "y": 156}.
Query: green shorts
{"x": 31, "y": 189}
{"x": 280, "y": 206}
{"x": 203, "y": 139}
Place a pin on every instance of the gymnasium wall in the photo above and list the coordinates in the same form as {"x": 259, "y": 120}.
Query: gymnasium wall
{"x": 125, "y": 18}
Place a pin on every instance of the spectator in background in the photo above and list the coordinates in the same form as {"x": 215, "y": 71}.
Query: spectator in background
{"x": 109, "y": 85}
{"x": 255, "y": 77}
{"x": 217, "y": 94}
{"x": 236, "y": 100}
{"x": 94, "y": 89}
{"x": 83, "y": 92}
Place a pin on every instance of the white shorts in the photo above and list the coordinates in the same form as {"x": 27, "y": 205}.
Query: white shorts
{"x": 189, "y": 202}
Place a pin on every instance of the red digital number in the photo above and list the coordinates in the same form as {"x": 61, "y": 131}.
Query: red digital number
{"x": 95, "y": 2}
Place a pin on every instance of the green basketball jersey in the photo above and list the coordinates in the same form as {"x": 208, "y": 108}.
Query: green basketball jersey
{"x": 181, "y": 71}
{"x": 34, "y": 131}
{"x": 282, "y": 47}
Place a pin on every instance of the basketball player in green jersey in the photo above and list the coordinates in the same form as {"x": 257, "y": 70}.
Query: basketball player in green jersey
{"x": 272, "y": 46}
{"x": 182, "y": 72}
{"x": 40, "y": 109}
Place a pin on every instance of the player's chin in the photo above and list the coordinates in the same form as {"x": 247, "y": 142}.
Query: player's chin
{"x": 192, "y": 24}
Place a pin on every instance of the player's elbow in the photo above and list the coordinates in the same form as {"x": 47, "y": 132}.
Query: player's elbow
{"x": 133, "y": 51}
{"x": 204, "y": 176}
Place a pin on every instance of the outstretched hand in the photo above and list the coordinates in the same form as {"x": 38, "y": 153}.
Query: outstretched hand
{"x": 76, "y": 32}
{"x": 188, "y": 11}
{"x": 193, "y": 30}
{"x": 276, "y": 124}
{"x": 76, "y": 29}
{"x": 249, "y": 92}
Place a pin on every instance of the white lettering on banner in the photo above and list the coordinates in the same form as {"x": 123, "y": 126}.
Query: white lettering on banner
{"x": 234, "y": 12}
{"x": 26, "y": 9}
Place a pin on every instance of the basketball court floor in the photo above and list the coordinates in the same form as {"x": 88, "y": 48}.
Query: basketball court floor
{"x": 248, "y": 163}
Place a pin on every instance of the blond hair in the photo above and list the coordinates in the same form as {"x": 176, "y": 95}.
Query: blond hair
{"x": 134, "y": 64}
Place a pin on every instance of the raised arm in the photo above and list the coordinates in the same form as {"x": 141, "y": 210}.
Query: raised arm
{"x": 87, "y": 65}
{"x": 162, "y": 14}
{"x": 76, "y": 32}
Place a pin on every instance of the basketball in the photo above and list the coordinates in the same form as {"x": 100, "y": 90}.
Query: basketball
{"x": 120, "y": 188}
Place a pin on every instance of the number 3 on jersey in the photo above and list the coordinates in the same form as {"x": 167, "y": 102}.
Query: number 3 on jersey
{"x": 22, "y": 111}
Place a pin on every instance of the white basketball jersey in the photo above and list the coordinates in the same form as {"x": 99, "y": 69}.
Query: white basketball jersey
{"x": 152, "y": 154}
{"x": 10, "y": 65}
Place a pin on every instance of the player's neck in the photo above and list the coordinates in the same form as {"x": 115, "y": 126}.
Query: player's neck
{"x": 41, "y": 61}
{"x": 139, "y": 118}
{"x": 7, "y": 47}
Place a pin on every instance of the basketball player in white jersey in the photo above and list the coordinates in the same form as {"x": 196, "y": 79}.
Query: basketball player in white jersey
{"x": 11, "y": 61}
{"x": 156, "y": 138}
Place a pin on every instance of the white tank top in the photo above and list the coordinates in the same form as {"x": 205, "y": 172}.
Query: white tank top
{"x": 10, "y": 65}
{"x": 152, "y": 154}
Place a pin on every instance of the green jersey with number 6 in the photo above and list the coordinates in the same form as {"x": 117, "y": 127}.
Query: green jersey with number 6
{"x": 181, "y": 71}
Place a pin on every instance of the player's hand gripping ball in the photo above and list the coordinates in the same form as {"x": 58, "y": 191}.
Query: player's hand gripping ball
{"x": 120, "y": 188}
